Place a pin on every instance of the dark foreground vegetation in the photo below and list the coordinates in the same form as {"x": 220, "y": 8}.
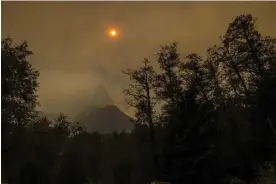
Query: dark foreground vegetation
{"x": 216, "y": 125}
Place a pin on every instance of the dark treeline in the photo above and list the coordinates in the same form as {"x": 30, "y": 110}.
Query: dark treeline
{"x": 217, "y": 124}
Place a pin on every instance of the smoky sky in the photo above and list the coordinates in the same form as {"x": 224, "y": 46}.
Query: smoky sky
{"x": 73, "y": 53}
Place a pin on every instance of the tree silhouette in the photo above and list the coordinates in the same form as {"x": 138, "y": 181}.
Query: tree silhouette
{"x": 141, "y": 96}
{"x": 19, "y": 98}
{"x": 168, "y": 85}
{"x": 19, "y": 83}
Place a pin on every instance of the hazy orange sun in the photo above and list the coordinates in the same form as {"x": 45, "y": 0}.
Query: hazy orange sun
{"x": 113, "y": 32}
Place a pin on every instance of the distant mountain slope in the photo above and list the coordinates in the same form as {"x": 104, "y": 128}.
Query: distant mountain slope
{"x": 101, "y": 115}
{"x": 100, "y": 98}
{"x": 83, "y": 114}
{"x": 86, "y": 99}
{"x": 107, "y": 119}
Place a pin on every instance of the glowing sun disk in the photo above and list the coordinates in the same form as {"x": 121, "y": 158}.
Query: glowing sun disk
{"x": 113, "y": 33}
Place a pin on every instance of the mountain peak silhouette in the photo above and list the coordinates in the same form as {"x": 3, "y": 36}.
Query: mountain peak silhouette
{"x": 100, "y": 97}
{"x": 102, "y": 115}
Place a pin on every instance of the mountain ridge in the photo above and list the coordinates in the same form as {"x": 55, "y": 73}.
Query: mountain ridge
{"x": 106, "y": 120}
{"x": 102, "y": 115}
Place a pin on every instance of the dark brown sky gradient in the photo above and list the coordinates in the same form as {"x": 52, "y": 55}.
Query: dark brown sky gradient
{"x": 73, "y": 53}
